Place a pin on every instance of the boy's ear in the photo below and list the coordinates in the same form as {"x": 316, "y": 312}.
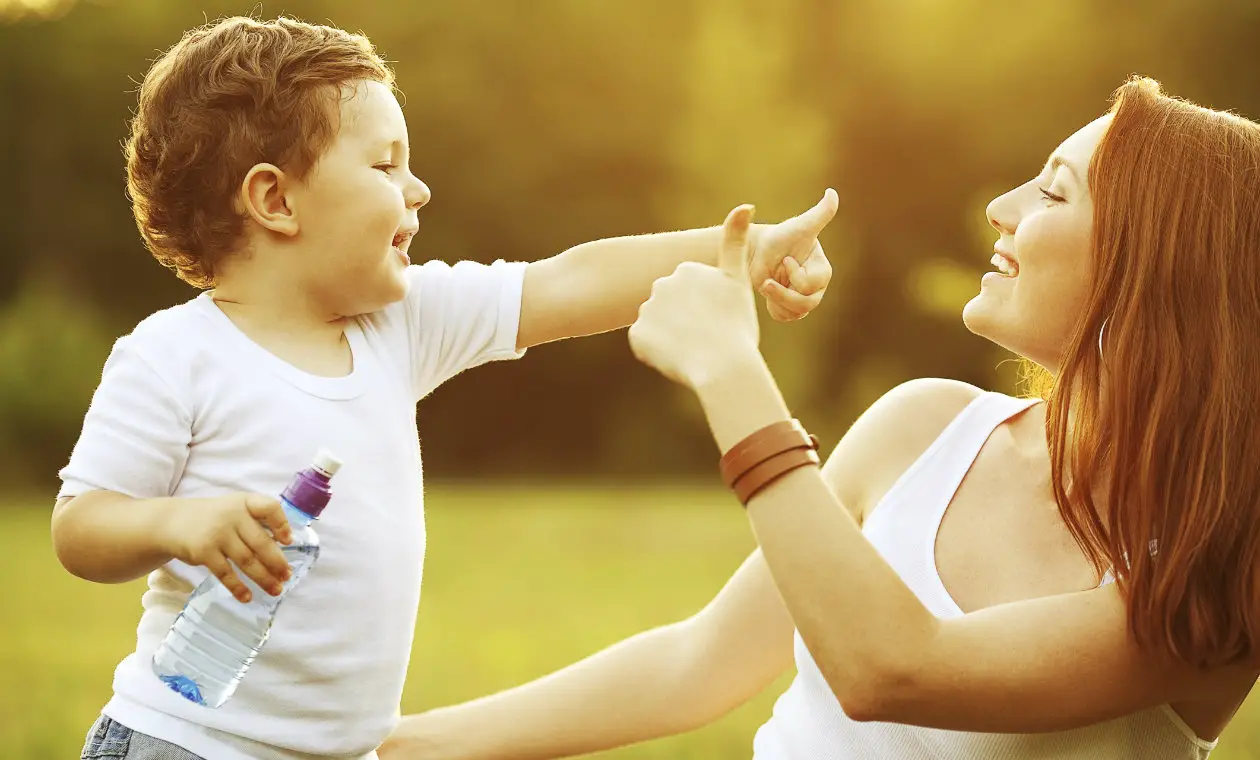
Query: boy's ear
{"x": 265, "y": 196}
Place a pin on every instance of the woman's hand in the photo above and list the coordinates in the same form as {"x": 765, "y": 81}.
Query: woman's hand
{"x": 702, "y": 320}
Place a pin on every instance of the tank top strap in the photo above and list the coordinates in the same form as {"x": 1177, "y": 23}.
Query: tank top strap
{"x": 911, "y": 510}
{"x": 953, "y": 452}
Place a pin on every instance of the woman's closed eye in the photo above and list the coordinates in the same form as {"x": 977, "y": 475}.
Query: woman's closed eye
{"x": 387, "y": 168}
{"x": 1053, "y": 198}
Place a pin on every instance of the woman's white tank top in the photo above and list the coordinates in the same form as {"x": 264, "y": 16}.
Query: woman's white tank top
{"x": 808, "y": 723}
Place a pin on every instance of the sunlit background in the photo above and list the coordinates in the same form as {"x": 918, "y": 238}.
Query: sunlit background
{"x": 573, "y": 499}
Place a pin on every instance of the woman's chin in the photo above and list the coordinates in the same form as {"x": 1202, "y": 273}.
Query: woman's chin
{"x": 976, "y": 315}
{"x": 983, "y": 322}
{"x": 982, "y": 318}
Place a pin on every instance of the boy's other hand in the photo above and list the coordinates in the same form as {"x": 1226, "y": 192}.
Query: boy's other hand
{"x": 219, "y": 532}
{"x": 788, "y": 266}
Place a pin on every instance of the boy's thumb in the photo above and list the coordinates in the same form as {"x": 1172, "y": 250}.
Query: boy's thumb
{"x": 823, "y": 211}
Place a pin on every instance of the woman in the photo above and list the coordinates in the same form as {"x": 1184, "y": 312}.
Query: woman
{"x": 973, "y": 613}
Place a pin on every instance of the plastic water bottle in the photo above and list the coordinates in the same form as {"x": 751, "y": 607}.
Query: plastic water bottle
{"x": 216, "y": 637}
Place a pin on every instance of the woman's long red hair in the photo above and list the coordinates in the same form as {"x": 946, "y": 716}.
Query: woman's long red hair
{"x": 1155, "y": 438}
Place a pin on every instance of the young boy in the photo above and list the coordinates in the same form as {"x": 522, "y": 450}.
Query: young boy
{"x": 268, "y": 165}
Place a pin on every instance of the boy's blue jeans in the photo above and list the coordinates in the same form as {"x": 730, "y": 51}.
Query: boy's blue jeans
{"x": 110, "y": 740}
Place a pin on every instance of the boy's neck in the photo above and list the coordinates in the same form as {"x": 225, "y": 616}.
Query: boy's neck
{"x": 267, "y": 302}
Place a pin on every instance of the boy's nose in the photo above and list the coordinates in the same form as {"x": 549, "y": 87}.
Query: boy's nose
{"x": 418, "y": 195}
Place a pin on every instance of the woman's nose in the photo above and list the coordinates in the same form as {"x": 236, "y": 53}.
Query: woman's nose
{"x": 1003, "y": 213}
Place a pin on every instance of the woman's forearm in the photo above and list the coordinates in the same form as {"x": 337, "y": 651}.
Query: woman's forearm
{"x": 648, "y": 686}
{"x": 853, "y": 612}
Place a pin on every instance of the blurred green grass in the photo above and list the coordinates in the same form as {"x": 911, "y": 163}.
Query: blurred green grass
{"x": 518, "y": 582}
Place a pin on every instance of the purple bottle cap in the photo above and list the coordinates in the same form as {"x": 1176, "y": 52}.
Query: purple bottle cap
{"x": 309, "y": 490}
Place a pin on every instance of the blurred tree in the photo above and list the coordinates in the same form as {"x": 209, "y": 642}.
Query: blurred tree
{"x": 543, "y": 123}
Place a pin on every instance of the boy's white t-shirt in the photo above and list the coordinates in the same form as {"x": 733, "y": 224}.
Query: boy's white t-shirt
{"x": 189, "y": 406}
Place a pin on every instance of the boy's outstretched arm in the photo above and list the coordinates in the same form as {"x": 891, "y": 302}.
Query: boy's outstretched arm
{"x": 598, "y": 286}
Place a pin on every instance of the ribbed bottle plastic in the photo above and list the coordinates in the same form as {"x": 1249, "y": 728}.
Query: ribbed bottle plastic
{"x": 216, "y": 637}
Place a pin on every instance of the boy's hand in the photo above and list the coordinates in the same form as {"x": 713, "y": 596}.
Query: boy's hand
{"x": 788, "y": 266}
{"x": 212, "y": 532}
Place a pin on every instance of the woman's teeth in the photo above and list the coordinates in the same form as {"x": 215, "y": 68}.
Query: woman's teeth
{"x": 1004, "y": 265}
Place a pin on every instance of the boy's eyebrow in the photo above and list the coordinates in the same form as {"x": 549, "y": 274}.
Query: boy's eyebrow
{"x": 398, "y": 145}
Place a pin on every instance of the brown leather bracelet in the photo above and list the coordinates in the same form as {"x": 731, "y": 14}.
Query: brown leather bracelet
{"x": 761, "y": 445}
{"x": 766, "y": 455}
{"x": 771, "y": 470}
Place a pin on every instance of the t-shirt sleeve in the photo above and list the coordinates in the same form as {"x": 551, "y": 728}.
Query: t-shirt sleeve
{"x": 461, "y": 316}
{"x": 136, "y": 432}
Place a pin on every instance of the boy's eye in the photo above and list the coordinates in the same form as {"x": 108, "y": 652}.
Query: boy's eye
{"x": 384, "y": 167}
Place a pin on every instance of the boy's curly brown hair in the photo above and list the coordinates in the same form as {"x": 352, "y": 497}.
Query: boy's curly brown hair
{"x": 229, "y": 95}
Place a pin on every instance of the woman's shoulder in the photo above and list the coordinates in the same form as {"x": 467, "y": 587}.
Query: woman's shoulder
{"x": 935, "y": 396}
{"x": 890, "y": 435}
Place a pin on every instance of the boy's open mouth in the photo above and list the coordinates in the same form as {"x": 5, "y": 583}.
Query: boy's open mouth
{"x": 402, "y": 240}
